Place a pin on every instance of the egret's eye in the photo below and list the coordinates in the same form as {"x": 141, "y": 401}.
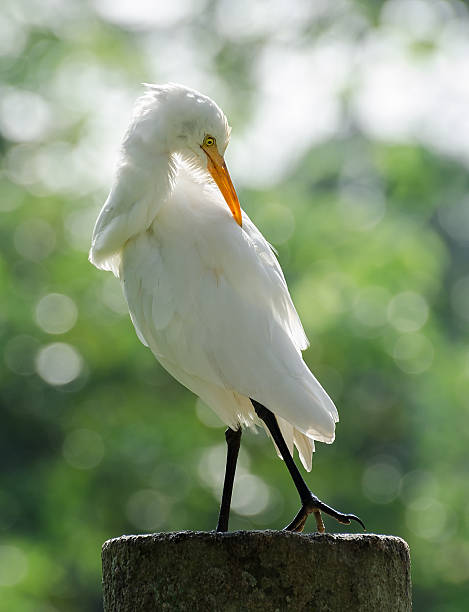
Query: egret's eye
{"x": 209, "y": 141}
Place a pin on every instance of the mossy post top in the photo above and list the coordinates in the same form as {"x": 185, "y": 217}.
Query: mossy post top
{"x": 256, "y": 570}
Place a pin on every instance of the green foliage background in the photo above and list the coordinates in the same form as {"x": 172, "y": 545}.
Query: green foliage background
{"x": 372, "y": 231}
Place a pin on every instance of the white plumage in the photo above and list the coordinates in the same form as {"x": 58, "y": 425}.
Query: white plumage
{"x": 205, "y": 294}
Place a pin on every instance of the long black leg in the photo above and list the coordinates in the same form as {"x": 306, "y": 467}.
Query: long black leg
{"x": 233, "y": 440}
{"x": 310, "y": 503}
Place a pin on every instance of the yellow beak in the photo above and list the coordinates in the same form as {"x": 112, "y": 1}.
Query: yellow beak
{"x": 217, "y": 168}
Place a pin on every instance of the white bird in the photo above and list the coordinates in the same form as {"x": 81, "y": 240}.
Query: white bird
{"x": 204, "y": 288}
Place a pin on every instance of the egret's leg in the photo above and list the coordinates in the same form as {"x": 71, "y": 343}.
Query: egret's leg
{"x": 233, "y": 440}
{"x": 310, "y": 503}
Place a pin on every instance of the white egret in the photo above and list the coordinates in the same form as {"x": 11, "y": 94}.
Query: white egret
{"x": 204, "y": 289}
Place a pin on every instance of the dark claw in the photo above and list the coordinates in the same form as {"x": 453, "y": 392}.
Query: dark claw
{"x": 316, "y": 506}
{"x": 352, "y": 517}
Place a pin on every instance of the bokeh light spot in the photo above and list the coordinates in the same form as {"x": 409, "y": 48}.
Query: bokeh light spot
{"x": 56, "y": 313}
{"x": 418, "y": 483}
{"x": 13, "y": 565}
{"x": 24, "y": 115}
{"x": 144, "y": 14}
{"x": 408, "y": 311}
{"x": 46, "y": 161}
{"x": 211, "y": 466}
{"x": 83, "y": 449}
{"x": 381, "y": 482}
{"x": 426, "y": 517}
{"x": 58, "y": 363}
{"x": 19, "y": 164}
{"x": 370, "y": 306}
{"x": 361, "y": 209}
{"x": 12, "y": 37}
{"x": 250, "y": 495}
{"x": 413, "y": 353}
{"x": 147, "y": 509}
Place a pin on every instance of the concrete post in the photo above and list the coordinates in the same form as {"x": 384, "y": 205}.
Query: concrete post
{"x": 256, "y": 570}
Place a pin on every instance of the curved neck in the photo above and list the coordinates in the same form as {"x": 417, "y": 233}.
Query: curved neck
{"x": 142, "y": 185}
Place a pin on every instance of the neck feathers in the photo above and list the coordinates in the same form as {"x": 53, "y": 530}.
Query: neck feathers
{"x": 140, "y": 189}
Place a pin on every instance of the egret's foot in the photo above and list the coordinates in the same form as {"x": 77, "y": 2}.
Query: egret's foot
{"x": 315, "y": 506}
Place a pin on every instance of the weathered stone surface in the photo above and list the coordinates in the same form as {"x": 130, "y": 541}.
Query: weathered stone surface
{"x": 256, "y": 570}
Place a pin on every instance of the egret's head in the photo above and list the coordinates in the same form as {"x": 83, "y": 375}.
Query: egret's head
{"x": 175, "y": 119}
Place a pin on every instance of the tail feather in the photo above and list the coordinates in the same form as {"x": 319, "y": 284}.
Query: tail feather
{"x": 293, "y": 437}
{"x": 305, "y": 448}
